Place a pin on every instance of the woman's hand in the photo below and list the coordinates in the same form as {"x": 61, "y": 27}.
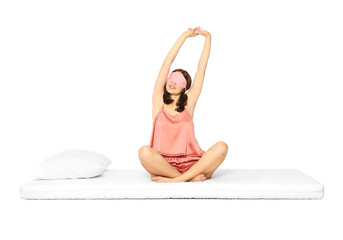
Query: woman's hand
{"x": 191, "y": 33}
{"x": 198, "y": 30}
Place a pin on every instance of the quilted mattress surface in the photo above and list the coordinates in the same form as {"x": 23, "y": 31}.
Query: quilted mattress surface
{"x": 137, "y": 184}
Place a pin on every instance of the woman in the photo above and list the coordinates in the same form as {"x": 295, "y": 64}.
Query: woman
{"x": 174, "y": 154}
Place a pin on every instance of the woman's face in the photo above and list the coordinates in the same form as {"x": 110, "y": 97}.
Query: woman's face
{"x": 172, "y": 88}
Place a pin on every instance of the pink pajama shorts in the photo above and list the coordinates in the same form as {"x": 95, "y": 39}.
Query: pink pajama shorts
{"x": 181, "y": 163}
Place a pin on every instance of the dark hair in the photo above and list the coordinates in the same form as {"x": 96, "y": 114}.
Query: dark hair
{"x": 182, "y": 102}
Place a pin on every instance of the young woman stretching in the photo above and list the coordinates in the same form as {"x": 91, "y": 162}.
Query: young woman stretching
{"x": 174, "y": 154}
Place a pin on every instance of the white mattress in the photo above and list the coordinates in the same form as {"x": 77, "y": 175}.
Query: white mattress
{"x": 137, "y": 184}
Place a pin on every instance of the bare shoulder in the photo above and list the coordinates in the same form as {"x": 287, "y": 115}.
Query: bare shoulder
{"x": 157, "y": 104}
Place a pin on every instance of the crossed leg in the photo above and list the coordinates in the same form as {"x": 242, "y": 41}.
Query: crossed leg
{"x": 157, "y": 166}
{"x": 207, "y": 164}
{"x": 155, "y": 163}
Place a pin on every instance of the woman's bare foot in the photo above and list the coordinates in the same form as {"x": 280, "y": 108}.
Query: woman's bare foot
{"x": 200, "y": 177}
{"x": 162, "y": 179}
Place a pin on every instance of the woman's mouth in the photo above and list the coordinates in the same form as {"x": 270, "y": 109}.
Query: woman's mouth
{"x": 171, "y": 87}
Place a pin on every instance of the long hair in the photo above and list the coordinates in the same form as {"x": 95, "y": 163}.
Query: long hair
{"x": 182, "y": 102}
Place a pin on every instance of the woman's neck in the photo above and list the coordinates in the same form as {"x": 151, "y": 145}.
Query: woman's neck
{"x": 175, "y": 98}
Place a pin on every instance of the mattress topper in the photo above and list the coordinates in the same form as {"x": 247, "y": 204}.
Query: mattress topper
{"x": 136, "y": 183}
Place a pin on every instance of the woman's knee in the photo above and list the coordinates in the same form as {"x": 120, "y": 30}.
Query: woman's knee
{"x": 144, "y": 153}
{"x": 222, "y": 147}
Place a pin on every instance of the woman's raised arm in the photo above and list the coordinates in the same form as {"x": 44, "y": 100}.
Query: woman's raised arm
{"x": 164, "y": 71}
{"x": 194, "y": 92}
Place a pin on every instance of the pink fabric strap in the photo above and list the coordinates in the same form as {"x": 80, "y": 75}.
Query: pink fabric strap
{"x": 178, "y": 78}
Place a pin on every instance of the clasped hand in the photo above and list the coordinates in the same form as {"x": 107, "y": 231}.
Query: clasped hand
{"x": 192, "y": 32}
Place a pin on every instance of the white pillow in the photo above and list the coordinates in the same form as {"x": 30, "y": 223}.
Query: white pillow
{"x": 74, "y": 163}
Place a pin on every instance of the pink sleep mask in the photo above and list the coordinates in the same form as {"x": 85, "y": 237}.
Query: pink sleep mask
{"x": 178, "y": 78}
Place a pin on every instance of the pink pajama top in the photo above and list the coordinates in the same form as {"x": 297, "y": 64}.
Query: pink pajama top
{"x": 173, "y": 135}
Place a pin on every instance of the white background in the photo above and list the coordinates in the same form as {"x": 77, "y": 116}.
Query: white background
{"x": 80, "y": 74}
